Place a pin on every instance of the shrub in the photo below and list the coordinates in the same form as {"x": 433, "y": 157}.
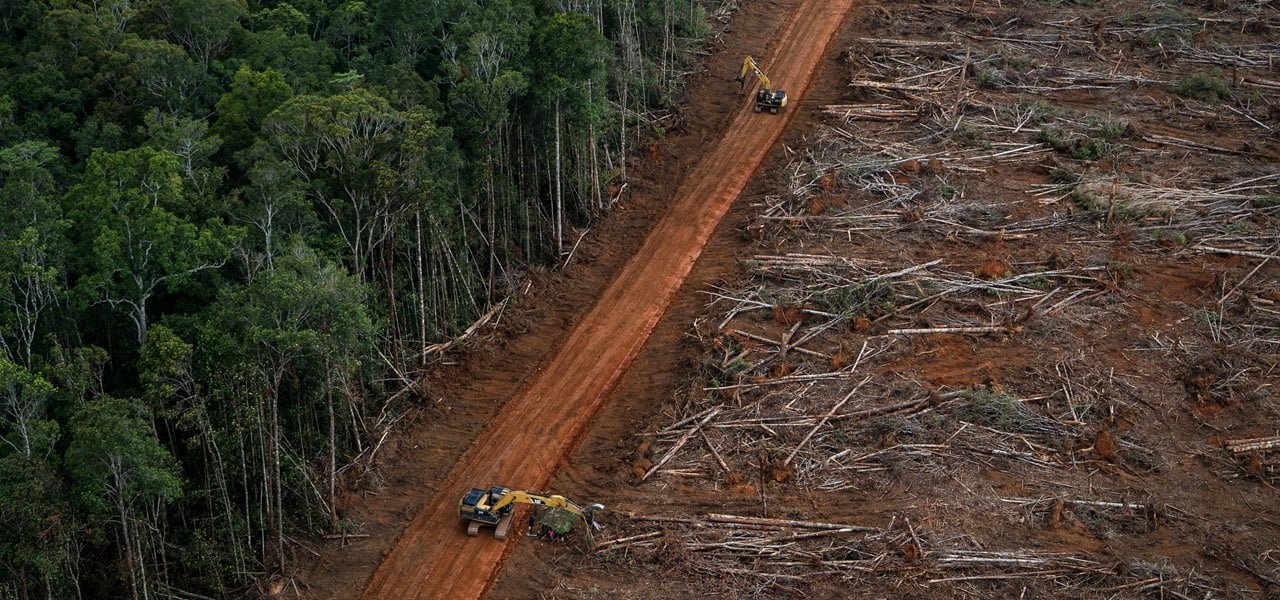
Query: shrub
{"x": 1079, "y": 148}
{"x": 1209, "y": 87}
{"x": 1004, "y": 413}
{"x": 1041, "y": 110}
{"x": 990, "y": 79}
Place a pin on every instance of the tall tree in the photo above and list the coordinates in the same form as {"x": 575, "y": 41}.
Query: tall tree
{"x": 190, "y": 141}
{"x": 32, "y": 246}
{"x": 570, "y": 56}
{"x": 206, "y": 27}
{"x": 157, "y": 74}
{"x": 122, "y": 473}
{"x": 362, "y": 161}
{"x": 24, "y": 424}
{"x": 406, "y": 30}
{"x": 251, "y": 96}
{"x": 130, "y": 206}
{"x": 301, "y": 330}
{"x": 38, "y": 542}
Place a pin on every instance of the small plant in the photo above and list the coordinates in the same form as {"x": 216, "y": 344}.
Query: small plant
{"x": 1089, "y": 201}
{"x": 1079, "y": 148}
{"x": 1112, "y": 130}
{"x": 947, "y": 191}
{"x": 1238, "y": 228}
{"x": 1063, "y": 176}
{"x": 1088, "y": 149}
{"x": 1209, "y": 87}
{"x": 1102, "y": 208}
{"x": 1174, "y": 238}
{"x": 1207, "y": 317}
{"x": 990, "y": 79}
{"x": 972, "y": 132}
{"x": 1003, "y": 412}
{"x": 1052, "y": 136}
{"x": 1265, "y": 201}
{"x": 859, "y": 300}
{"x": 1040, "y": 111}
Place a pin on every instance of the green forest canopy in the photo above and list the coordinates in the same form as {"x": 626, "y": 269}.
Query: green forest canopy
{"x": 225, "y": 225}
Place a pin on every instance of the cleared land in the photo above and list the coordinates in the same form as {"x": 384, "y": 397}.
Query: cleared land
{"x": 998, "y": 318}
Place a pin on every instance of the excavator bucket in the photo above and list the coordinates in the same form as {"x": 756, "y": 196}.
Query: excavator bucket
{"x": 590, "y": 514}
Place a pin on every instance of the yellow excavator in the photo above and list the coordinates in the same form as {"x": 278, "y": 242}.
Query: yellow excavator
{"x": 494, "y": 507}
{"x": 767, "y": 98}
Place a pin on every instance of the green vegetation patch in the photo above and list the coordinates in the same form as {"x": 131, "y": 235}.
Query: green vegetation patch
{"x": 1208, "y": 87}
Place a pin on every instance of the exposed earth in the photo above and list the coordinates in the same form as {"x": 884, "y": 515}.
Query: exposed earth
{"x": 995, "y": 317}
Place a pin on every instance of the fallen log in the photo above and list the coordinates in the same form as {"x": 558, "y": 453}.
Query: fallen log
{"x": 626, "y": 541}
{"x": 996, "y": 329}
{"x": 893, "y": 43}
{"x": 680, "y": 444}
{"x": 741, "y": 520}
{"x": 827, "y": 417}
{"x": 1244, "y": 446}
{"x": 1190, "y": 145}
{"x": 882, "y": 85}
{"x": 1212, "y": 250}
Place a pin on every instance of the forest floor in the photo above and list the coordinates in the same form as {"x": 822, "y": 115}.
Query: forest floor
{"x": 998, "y": 317}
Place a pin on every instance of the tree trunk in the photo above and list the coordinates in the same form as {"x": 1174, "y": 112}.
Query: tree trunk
{"x": 596, "y": 200}
{"x": 559, "y": 225}
{"x": 122, "y": 512}
{"x": 421, "y": 285}
{"x": 333, "y": 449}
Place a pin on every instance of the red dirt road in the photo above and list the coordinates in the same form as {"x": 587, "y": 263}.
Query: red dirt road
{"x": 531, "y": 435}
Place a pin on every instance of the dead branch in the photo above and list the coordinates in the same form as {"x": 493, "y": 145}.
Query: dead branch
{"x": 760, "y": 338}
{"x": 834, "y": 409}
{"x": 680, "y": 444}
{"x": 442, "y": 347}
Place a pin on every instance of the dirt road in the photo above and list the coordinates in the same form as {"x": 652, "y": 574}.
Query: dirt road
{"x": 529, "y": 437}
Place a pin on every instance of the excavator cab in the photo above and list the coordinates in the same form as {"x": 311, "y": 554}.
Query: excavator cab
{"x": 771, "y": 101}
{"x": 477, "y": 505}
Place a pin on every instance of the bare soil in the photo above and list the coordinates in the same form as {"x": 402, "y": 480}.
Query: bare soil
{"x": 1083, "y": 197}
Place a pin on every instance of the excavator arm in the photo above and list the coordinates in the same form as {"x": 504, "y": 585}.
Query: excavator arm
{"x": 767, "y": 98}
{"x": 749, "y": 65}
{"x": 550, "y": 500}
{"x": 494, "y": 506}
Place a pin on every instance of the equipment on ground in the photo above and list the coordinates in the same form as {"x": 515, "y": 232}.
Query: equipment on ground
{"x": 494, "y": 507}
{"x": 767, "y": 98}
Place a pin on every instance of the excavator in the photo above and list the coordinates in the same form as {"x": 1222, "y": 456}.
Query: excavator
{"x": 767, "y": 98}
{"x": 494, "y": 507}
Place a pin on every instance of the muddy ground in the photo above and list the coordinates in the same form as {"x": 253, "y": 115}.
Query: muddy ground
{"x": 1084, "y": 197}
